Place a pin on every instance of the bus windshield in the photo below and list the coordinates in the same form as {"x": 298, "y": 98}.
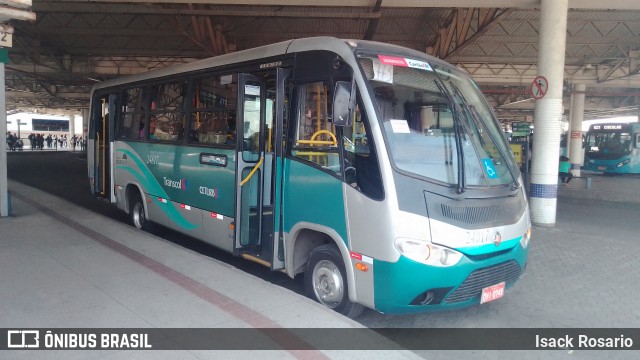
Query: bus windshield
{"x": 610, "y": 145}
{"x": 437, "y": 123}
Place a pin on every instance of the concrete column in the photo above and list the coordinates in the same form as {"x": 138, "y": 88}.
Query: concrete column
{"x": 85, "y": 122}
{"x": 576, "y": 153}
{"x": 72, "y": 129}
{"x": 570, "y": 119}
{"x": 548, "y": 113}
{"x": 4, "y": 195}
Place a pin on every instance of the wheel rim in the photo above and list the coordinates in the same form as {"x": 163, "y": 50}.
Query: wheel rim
{"x": 327, "y": 284}
{"x": 138, "y": 215}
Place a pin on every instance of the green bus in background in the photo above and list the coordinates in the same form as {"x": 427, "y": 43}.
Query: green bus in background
{"x": 377, "y": 171}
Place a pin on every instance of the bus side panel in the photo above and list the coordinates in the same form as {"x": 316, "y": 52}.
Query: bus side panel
{"x": 189, "y": 192}
{"x": 371, "y": 235}
{"x": 130, "y": 170}
{"x": 312, "y": 196}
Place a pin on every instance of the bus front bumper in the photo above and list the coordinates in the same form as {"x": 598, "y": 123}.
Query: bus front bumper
{"x": 407, "y": 286}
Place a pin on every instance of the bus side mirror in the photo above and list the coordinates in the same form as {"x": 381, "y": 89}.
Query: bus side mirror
{"x": 343, "y": 103}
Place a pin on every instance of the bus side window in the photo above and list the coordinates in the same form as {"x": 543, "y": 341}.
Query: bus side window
{"x": 167, "y": 119}
{"x": 132, "y": 114}
{"x": 315, "y": 139}
{"x": 638, "y": 140}
{"x": 361, "y": 168}
{"x": 213, "y": 117}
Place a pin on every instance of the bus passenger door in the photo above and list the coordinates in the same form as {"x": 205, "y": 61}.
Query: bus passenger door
{"x": 278, "y": 95}
{"x": 258, "y": 202}
{"x": 103, "y": 128}
{"x": 250, "y": 161}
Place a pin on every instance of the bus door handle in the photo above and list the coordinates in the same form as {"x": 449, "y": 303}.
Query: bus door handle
{"x": 253, "y": 171}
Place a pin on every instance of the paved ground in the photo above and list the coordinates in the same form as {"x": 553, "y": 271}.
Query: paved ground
{"x": 64, "y": 267}
{"x": 582, "y": 273}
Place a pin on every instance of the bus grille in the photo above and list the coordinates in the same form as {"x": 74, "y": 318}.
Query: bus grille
{"x": 508, "y": 271}
{"x": 473, "y": 215}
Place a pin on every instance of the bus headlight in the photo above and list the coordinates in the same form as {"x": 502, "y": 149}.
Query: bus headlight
{"x": 623, "y": 163}
{"x": 427, "y": 253}
{"x": 524, "y": 241}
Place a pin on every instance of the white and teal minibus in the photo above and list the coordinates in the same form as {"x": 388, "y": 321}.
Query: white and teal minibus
{"x": 377, "y": 171}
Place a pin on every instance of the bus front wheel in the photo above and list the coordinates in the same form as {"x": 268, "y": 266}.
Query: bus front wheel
{"x": 326, "y": 281}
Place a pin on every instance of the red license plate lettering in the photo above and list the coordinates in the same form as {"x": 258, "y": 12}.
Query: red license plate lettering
{"x": 492, "y": 293}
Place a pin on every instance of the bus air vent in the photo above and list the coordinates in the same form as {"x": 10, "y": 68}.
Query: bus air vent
{"x": 474, "y": 214}
{"x": 508, "y": 271}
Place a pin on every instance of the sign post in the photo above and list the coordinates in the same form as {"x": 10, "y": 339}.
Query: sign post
{"x": 10, "y": 10}
{"x": 4, "y": 193}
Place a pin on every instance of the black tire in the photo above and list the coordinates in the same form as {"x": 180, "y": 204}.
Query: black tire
{"x": 326, "y": 282}
{"x": 137, "y": 214}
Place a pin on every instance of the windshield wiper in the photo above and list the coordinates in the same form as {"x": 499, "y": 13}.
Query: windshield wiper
{"x": 458, "y": 130}
{"x": 481, "y": 126}
{"x": 476, "y": 118}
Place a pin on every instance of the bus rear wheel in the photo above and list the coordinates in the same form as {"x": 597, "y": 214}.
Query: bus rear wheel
{"x": 137, "y": 214}
{"x": 326, "y": 281}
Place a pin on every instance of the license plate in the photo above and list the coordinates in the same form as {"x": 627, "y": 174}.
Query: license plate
{"x": 602, "y": 168}
{"x": 492, "y": 292}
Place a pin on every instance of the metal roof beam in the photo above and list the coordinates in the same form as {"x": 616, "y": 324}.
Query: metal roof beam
{"x": 574, "y": 4}
{"x": 82, "y": 8}
{"x": 459, "y": 31}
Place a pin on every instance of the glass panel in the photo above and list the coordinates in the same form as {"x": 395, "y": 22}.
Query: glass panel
{"x": 361, "y": 169}
{"x": 484, "y": 133}
{"x": 132, "y": 114}
{"x": 251, "y": 116}
{"x": 316, "y": 138}
{"x": 167, "y": 119}
{"x": 214, "y": 119}
{"x": 608, "y": 144}
{"x": 419, "y": 107}
{"x": 250, "y": 217}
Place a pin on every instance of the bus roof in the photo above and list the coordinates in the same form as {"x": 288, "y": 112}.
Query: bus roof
{"x": 341, "y": 47}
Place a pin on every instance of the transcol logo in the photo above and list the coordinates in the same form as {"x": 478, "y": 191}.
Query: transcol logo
{"x": 182, "y": 184}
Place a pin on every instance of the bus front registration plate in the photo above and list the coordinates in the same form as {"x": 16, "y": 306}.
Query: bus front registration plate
{"x": 492, "y": 292}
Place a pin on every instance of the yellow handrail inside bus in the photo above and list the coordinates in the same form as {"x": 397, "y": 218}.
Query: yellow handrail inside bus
{"x": 313, "y": 141}
{"x": 312, "y": 153}
{"x": 317, "y": 142}
{"x": 252, "y": 172}
{"x": 333, "y": 140}
{"x": 333, "y": 137}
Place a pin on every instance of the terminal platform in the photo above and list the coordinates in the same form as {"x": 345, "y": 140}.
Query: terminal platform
{"x": 65, "y": 267}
